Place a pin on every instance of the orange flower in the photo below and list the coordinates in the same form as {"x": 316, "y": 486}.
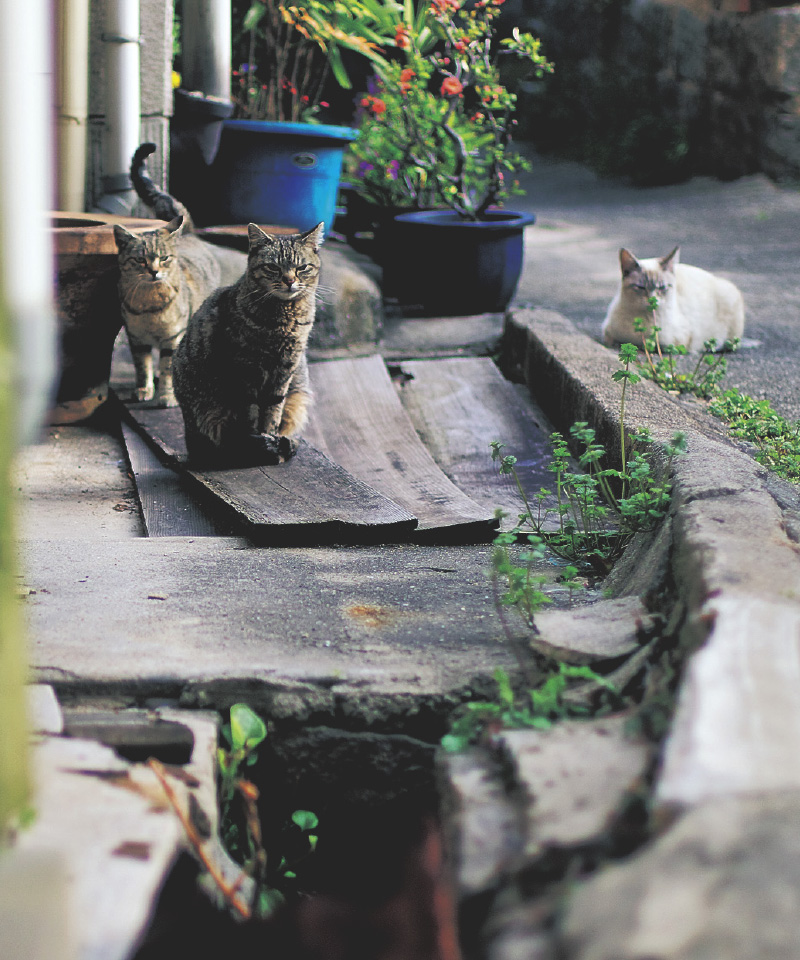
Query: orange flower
{"x": 402, "y": 39}
{"x": 451, "y": 87}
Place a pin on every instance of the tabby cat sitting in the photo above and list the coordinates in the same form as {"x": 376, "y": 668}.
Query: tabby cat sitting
{"x": 165, "y": 274}
{"x": 693, "y": 305}
{"x": 241, "y": 373}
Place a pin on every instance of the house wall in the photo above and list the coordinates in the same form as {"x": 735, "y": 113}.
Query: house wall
{"x": 658, "y": 89}
{"x": 155, "y": 90}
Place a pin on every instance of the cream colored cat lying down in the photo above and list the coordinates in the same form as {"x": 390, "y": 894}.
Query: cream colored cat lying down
{"x": 693, "y": 305}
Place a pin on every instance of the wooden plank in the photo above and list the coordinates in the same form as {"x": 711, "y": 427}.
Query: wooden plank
{"x": 167, "y": 509}
{"x": 308, "y": 500}
{"x": 458, "y": 406}
{"x": 358, "y": 421}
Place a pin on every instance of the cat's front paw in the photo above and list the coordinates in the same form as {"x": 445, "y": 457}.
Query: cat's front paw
{"x": 271, "y": 449}
{"x": 143, "y": 394}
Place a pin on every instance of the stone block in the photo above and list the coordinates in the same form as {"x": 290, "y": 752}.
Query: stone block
{"x": 723, "y": 882}
{"x": 350, "y": 307}
{"x": 717, "y": 549}
{"x": 592, "y": 633}
{"x": 575, "y": 777}
{"x": 483, "y": 827}
{"x": 737, "y": 723}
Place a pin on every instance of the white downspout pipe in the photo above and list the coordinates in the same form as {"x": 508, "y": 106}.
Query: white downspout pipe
{"x": 123, "y": 104}
{"x": 206, "y": 42}
{"x": 26, "y": 199}
{"x": 72, "y": 92}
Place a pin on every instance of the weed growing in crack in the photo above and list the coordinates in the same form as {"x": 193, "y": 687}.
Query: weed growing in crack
{"x": 663, "y": 368}
{"x": 275, "y": 874}
{"x": 543, "y": 705}
{"x": 776, "y": 439}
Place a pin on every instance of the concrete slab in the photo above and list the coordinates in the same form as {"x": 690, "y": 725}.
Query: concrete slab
{"x": 289, "y": 630}
{"x": 75, "y": 484}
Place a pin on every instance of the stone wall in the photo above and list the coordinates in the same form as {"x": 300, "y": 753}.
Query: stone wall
{"x": 662, "y": 89}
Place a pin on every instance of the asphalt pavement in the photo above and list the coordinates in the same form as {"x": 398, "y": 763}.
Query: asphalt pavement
{"x": 747, "y": 230}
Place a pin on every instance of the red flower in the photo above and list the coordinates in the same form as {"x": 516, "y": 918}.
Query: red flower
{"x": 406, "y": 76}
{"x": 378, "y": 106}
{"x": 441, "y": 8}
{"x": 402, "y": 39}
{"x": 451, "y": 87}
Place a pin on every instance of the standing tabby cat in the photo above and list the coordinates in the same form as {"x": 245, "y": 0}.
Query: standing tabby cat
{"x": 165, "y": 274}
{"x": 693, "y": 305}
{"x": 241, "y": 375}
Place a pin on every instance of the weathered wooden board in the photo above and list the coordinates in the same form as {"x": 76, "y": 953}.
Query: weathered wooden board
{"x": 307, "y": 500}
{"x": 358, "y": 421}
{"x": 167, "y": 508}
{"x": 458, "y": 406}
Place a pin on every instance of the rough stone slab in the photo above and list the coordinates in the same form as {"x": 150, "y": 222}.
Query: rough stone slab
{"x": 570, "y": 375}
{"x": 485, "y": 831}
{"x": 734, "y": 544}
{"x": 44, "y": 709}
{"x": 169, "y": 614}
{"x": 734, "y": 472}
{"x": 737, "y": 725}
{"x": 722, "y": 883}
{"x": 605, "y": 630}
{"x": 34, "y": 906}
{"x": 575, "y": 776}
{"x": 117, "y": 845}
{"x": 109, "y": 837}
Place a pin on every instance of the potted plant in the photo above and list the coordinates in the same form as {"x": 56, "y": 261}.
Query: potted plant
{"x": 276, "y": 163}
{"x": 435, "y": 137}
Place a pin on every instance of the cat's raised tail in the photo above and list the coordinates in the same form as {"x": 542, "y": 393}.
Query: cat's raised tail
{"x": 163, "y": 204}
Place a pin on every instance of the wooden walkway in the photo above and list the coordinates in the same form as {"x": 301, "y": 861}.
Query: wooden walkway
{"x": 384, "y": 459}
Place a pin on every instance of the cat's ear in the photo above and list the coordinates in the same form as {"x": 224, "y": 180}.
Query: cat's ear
{"x": 628, "y": 262}
{"x": 314, "y": 236}
{"x": 176, "y": 226}
{"x": 123, "y": 236}
{"x": 257, "y": 235}
{"x": 671, "y": 261}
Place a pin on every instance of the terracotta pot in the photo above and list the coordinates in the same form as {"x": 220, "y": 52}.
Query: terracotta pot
{"x": 87, "y": 301}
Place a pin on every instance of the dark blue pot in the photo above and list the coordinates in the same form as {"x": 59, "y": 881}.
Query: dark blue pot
{"x": 455, "y": 267}
{"x": 274, "y": 173}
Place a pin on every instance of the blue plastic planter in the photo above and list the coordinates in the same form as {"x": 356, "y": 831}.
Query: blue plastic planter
{"x": 274, "y": 173}
{"x": 455, "y": 267}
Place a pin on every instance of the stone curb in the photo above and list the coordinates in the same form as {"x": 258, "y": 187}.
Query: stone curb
{"x": 736, "y": 730}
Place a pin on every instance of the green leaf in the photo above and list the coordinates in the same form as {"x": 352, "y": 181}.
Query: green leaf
{"x": 305, "y": 819}
{"x": 451, "y": 743}
{"x": 254, "y": 16}
{"x": 338, "y": 68}
{"x": 504, "y": 690}
{"x": 247, "y": 728}
{"x": 268, "y": 902}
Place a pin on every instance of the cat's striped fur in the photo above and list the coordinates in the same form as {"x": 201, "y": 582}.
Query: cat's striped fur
{"x": 241, "y": 375}
{"x": 165, "y": 274}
